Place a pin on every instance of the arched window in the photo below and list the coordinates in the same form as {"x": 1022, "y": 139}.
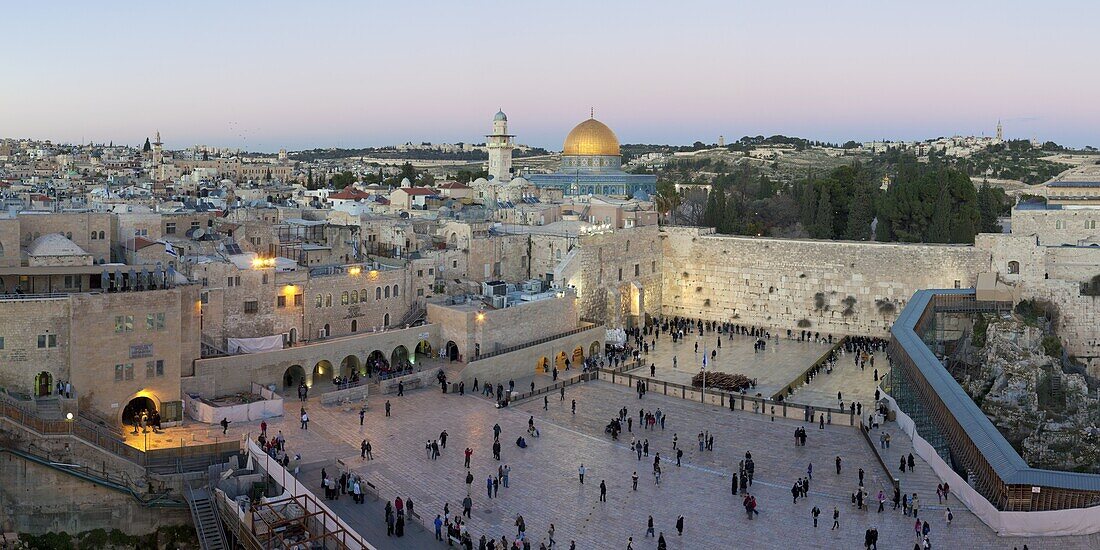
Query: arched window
{"x": 363, "y": 295}
{"x": 386, "y": 292}
{"x": 1013, "y": 267}
{"x": 320, "y": 301}
{"x": 395, "y": 293}
{"x": 344, "y": 297}
{"x": 328, "y": 300}
{"x": 355, "y": 296}
{"x": 93, "y": 235}
{"x": 1, "y": 250}
{"x": 101, "y": 235}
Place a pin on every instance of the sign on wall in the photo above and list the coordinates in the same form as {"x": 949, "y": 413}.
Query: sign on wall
{"x": 137, "y": 351}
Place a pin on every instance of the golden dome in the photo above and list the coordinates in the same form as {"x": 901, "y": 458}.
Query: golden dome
{"x": 591, "y": 138}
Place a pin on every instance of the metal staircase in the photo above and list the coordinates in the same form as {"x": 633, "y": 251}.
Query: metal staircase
{"x": 204, "y": 513}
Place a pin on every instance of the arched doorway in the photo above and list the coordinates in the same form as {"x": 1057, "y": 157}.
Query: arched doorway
{"x": 578, "y": 355}
{"x": 399, "y": 359}
{"x": 594, "y": 349}
{"x": 386, "y": 320}
{"x": 43, "y": 384}
{"x": 423, "y": 351}
{"x": 354, "y": 325}
{"x": 452, "y": 350}
{"x": 349, "y": 365}
{"x": 135, "y": 408}
{"x": 543, "y": 365}
{"x": 293, "y": 336}
{"x": 294, "y": 376}
{"x": 559, "y": 360}
{"x": 322, "y": 370}
{"x": 377, "y": 362}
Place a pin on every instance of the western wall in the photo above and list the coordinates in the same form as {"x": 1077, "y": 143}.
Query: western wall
{"x": 831, "y": 287}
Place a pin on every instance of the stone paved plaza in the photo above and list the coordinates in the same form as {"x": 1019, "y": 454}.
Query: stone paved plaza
{"x": 782, "y": 362}
{"x": 544, "y": 485}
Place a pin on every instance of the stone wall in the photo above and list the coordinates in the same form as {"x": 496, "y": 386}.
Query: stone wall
{"x": 217, "y": 376}
{"x": 21, "y": 360}
{"x": 832, "y": 287}
{"x": 620, "y": 274}
{"x": 1057, "y": 226}
{"x": 526, "y": 361}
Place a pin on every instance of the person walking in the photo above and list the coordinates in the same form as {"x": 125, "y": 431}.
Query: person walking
{"x": 225, "y": 425}
{"x": 649, "y": 528}
{"x": 574, "y": 407}
{"x": 489, "y": 486}
{"x": 603, "y": 491}
{"x": 387, "y": 407}
{"x": 661, "y": 544}
{"x": 580, "y": 472}
{"x": 305, "y": 420}
{"x": 468, "y": 453}
{"x": 814, "y": 513}
{"x": 362, "y": 413}
{"x": 634, "y": 480}
{"x": 680, "y": 526}
{"x": 836, "y": 518}
{"x": 838, "y": 465}
{"x": 467, "y": 506}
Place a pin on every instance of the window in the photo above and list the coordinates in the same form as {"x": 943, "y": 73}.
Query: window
{"x": 620, "y": 273}
{"x": 386, "y": 292}
{"x": 637, "y": 270}
{"x": 101, "y": 237}
{"x": 124, "y": 323}
{"x": 1013, "y": 267}
{"x": 355, "y": 296}
{"x": 419, "y": 272}
{"x": 297, "y": 300}
{"x": 194, "y": 225}
{"x": 345, "y": 298}
{"x": 377, "y": 293}
{"x": 328, "y": 300}
{"x": 251, "y": 306}
{"x": 420, "y": 292}
{"x": 154, "y": 321}
{"x": 354, "y": 325}
{"x": 1060, "y": 224}
{"x": 1090, "y": 224}
{"x": 627, "y": 246}
{"x": 320, "y": 301}
{"x": 263, "y": 279}
{"x": 958, "y": 283}
{"x": 431, "y": 271}
{"x": 395, "y": 292}
{"x": 150, "y": 369}
{"x": 129, "y": 368}
{"x": 454, "y": 264}
{"x": 93, "y": 235}
{"x": 70, "y": 281}
{"x": 1, "y": 342}
{"x": 280, "y": 301}
{"x": 229, "y": 281}
{"x": 170, "y": 228}
{"x": 119, "y": 370}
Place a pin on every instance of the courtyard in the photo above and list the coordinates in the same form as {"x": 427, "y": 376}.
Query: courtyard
{"x": 544, "y": 487}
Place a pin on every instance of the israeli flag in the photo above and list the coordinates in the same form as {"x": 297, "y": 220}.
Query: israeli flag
{"x": 169, "y": 250}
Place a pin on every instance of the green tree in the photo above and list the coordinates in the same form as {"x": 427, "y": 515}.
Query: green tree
{"x": 861, "y": 212}
{"x": 823, "y": 221}
{"x": 147, "y": 147}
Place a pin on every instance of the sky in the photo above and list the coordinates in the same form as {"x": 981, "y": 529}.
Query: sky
{"x": 267, "y": 75}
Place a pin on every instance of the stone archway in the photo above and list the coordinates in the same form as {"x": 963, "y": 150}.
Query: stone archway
{"x": 399, "y": 359}
{"x": 423, "y": 351}
{"x": 377, "y": 362}
{"x": 348, "y": 365}
{"x": 137, "y": 404}
{"x": 452, "y": 350}
{"x": 559, "y": 360}
{"x": 594, "y": 350}
{"x": 321, "y": 371}
{"x": 543, "y": 365}
{"x": 294, "y": 376}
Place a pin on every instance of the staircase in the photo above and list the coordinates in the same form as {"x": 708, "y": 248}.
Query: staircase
{"x": 205, "y": 516}
{"x": 415, "y": 313}
{"x": 49, "y": 408}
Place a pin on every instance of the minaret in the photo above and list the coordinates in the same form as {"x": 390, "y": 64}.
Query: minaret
{"x": 1000, "y": 132}
{"x": 500, "y": 144}
{"x": 158, "y": 158}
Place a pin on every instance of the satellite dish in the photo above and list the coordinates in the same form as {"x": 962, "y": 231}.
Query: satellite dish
{"x": 198, "y": 234}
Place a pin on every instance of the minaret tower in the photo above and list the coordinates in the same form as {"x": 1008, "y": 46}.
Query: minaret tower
{"x": 1000, "y": 132}
{"x": 500, "y": 144}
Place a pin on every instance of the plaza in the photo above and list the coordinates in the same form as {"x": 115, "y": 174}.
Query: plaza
{"x": 544, "y": 488}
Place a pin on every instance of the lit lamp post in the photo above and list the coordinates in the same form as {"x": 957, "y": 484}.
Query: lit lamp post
{"x": 69, "y": 420}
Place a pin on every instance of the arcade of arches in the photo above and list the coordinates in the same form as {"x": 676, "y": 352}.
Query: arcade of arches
{"x": 561, "y": 359}
{"x": 354, "y": 366}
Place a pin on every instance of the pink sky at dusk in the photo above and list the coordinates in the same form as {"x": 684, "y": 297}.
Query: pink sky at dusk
{"x": 269, "y": 75}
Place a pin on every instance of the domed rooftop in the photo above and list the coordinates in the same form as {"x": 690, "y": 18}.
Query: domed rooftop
{"x": 500, "y": 116}
{"x": 591, "y": 138}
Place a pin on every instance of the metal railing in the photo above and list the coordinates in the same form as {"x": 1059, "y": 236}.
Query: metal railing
{"x": 735, "y": 401}
{"x": 543, "y": 340}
